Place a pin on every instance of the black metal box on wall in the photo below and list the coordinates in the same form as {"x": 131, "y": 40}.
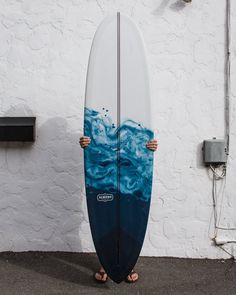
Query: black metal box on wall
{"x": 17, "y": 128}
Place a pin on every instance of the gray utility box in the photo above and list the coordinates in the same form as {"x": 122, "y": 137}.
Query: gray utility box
{"x": 214, "y": 151}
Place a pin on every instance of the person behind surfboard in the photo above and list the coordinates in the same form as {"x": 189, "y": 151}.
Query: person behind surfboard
{"x": 101, "y": 275}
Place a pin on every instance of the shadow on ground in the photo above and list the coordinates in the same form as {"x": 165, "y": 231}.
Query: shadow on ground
{"x": 48, "y": 273}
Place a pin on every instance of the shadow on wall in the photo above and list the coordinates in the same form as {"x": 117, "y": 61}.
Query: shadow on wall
{"x": 42, "y": 198}
{"x": 176, "y": 6}
{"x": 199, "y": 159}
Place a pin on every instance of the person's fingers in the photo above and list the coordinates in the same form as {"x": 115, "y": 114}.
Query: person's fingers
{"x": 85, "y": 140}
{"x": 152, "y": 148}
{"x": 83, "y": 145}
{"x": 153, "y": 141}
{"x": 152, "y": 145}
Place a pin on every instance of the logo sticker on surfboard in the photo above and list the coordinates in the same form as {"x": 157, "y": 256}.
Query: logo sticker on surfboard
{"x": 105, "y": 197}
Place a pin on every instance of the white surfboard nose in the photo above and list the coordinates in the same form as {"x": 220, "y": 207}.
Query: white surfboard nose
{"x": 101, "y": 86}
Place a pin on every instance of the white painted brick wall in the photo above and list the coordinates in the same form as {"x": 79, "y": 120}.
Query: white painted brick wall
{"x": 44, "y": 49}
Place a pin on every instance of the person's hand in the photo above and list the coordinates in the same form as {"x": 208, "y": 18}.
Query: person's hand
{"x": 84, "y": 141}
{"x": 152, "y": 145}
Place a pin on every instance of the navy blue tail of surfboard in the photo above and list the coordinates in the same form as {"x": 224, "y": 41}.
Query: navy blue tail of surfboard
{"x": 118, "y": 212}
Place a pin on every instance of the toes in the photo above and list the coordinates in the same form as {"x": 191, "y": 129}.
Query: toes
{"x": 101, "y": 277}
{"x": 104, "y": 277}
{"x": 133, "y": 277}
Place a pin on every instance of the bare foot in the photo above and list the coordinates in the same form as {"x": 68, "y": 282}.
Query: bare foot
{"x": 132, "y": 277}
{"x": 101, "y": 275}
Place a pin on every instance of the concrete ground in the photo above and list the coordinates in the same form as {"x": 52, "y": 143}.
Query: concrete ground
{"x": 63, "y": 273}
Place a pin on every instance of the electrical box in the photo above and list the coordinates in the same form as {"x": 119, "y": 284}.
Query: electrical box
{"x": 214, "y": 151}
{"x": 17, "y": 128}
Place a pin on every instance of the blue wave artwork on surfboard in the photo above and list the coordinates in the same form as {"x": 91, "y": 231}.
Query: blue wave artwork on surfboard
{"x": 101, "y": 157}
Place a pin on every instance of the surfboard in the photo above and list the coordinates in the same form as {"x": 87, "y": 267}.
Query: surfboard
{"x": 118, "y": 166}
